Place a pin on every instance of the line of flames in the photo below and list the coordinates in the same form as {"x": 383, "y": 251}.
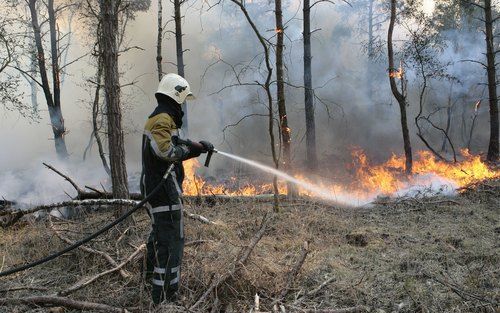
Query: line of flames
{"x": 369, "y": 180}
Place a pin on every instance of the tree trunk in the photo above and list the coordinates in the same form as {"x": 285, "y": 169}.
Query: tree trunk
{"x": 371, "y": 51}
{"x": 493, "y": 147}
{"x": 53, "y": 103}
{"x": 399, "y": 96}
{"x": 159, "y": 56}
{"x": 95, "y": 115}
{"x": 180, "y": 54}
{"x": 370, "y": 30}
{"x": 33, "y": 85}
{"x": 280, "y": 83}
{"x": 109, "y": 54}
{"x": 267, "y": 88}
{"x": 311, "y": 156}
{"x": 448, "y": 124}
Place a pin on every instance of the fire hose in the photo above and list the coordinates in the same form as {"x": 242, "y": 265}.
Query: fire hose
{"x": 94, "y": 235}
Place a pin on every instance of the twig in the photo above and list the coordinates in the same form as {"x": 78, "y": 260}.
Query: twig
{"x": 61, "y": 301}
{"x": 199, "y": 218}
{"x": 196, "y": 242}
{"x": 23, "y": 288}
{"x": 354, "y": 309}
{"x": 106, "y": 256}
{"x": 294, "y": 272}
{"x": 86, "y": 282}
{"x": 314, "y": 291}
{"x": 93, "y": 189}
{"x": 243, "y": 256}
{"x": 460, "y": 292}
{"x": 65, "y": 177}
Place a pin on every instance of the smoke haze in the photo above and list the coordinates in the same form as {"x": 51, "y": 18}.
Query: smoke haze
{"x": 346, "y": 115}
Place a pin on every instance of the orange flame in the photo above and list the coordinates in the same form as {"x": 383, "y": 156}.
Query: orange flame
{"x": 477, "y": 106}
{"x": 367, "y": 181}
{"x": 397, "y": 73}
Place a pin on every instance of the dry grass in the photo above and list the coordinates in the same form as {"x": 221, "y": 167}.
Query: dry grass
{"x": 427, "y": 255}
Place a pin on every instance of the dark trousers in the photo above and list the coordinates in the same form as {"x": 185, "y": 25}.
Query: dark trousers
{"x": 164, "y": 251}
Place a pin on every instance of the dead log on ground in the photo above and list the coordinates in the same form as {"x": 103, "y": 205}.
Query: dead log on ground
{"x": 69, "y": 203}
{"x": 16, "y": 214}
{"x": 51, "y": 301}
{"x": 81, "y": 194}
{"x": 6, "y": 203}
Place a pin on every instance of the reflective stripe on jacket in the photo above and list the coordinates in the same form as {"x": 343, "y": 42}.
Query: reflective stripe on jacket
{"x": 158, "y": 152}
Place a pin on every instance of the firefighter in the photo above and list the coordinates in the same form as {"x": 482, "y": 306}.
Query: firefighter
{"x": 160, "y": 149}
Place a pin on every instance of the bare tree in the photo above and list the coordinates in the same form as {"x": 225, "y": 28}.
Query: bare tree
{"x": 53, "y": 100}
{"x": 400, "y": 96}
{"x": 311, "y": 154}
{"x": 267, "y": 89}
{"x": 285, "y": 130}
{"x": 180, "y": 52}
{"x": 96, "y": 123}
{"x": 493, "y": 146}
{"x": 109, "y": 10}
{"x": 9, "y": 84}
{"x": 159, "y": 57}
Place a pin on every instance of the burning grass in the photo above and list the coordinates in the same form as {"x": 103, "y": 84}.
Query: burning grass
{"x": 366, "y": 180}
{"x": 403, "y": 255}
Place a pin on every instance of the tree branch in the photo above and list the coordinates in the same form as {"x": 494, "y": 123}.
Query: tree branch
{"x": 243, "y": 257}
{"x": 88, "y": 281}
{"x": 52, "y": 301}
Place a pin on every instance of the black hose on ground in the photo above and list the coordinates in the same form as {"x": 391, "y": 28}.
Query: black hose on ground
{"x": 94, "y": 235}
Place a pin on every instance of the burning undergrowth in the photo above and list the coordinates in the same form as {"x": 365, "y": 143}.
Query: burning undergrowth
{"x": 360, "y": 182}
{"x": 406, "y": 255}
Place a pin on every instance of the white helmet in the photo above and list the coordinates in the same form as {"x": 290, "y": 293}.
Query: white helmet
{"x": 175, "y": 87}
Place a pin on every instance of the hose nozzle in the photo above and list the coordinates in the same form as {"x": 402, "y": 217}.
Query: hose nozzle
{"x": 209, "y": 157}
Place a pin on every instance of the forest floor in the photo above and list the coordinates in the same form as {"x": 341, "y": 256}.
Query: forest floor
{"x": 435, "y": 254}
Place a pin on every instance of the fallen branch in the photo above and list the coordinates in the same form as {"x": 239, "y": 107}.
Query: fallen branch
{"x": 23, "y": 288}
{"x": 300, "y": 298}
{"x": 69, "y": 180}
{"x": 319, "y": 288}
{"x": 10, "y": 220}
{"x": 354, "y": 309}
{"x": 197, "y": 217}
{"x": 242, "y": 258}
{"x": 86, "y": 282}
{"x": 105, "y": 198}
{"x": 294, "y": 272}
{"x": 106, "y": 256}
{"x": 220, "y": 198}
{"x": 85, "y": 195}
{"x": 61, "y": 301}
{"x": 6, "y": 203}
{"x": 460, "y": 292}
{"x": 196, "y": 242}
{"x": 69, "y": 203}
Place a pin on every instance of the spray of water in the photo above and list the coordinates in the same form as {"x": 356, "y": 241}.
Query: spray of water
{"x": 320, "y": 192}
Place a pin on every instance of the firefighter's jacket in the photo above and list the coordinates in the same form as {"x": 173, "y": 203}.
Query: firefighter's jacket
{"x": 159, "y": 152}
{"x": 166, "y": 241}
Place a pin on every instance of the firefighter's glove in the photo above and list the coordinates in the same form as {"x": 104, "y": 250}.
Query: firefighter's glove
{"x": 207, "y": 146}
{"x": 195, "y": 148}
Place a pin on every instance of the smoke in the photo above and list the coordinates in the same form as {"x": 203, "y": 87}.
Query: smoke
{"x": 354, "y": 106}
